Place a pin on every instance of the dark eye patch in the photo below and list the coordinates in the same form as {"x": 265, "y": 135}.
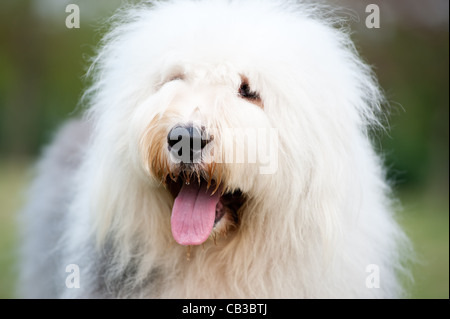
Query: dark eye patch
{"x": 246, "y": 92}
{"x": 176, "y": 77}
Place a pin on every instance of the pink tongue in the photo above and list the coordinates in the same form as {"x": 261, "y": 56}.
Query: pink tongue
{"x": 193, "y": 214}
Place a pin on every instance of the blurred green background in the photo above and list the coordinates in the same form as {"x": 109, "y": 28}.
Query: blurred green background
{"x": 41, "y": 80}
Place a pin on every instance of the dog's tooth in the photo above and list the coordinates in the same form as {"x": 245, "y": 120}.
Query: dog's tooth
{"x": 188, "y": 179}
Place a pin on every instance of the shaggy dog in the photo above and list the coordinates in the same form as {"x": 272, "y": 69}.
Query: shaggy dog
{"x": 225, "y": 153}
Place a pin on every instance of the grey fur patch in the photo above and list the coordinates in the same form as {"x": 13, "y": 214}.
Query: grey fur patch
{"x": 43, "y": 220}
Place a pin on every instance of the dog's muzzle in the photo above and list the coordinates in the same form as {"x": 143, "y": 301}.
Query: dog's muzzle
{"x": 186, "y": 142}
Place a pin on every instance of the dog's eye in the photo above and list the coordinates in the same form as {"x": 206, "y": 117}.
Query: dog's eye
{"x": 246, "y": 92}
{"x": 176, "y": 77}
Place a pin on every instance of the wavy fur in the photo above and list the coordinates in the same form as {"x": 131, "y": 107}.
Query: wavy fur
{"x": 307, "y": 231}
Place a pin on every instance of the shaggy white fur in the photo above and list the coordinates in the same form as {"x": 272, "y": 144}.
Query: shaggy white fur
{"x": 310, "y": 229}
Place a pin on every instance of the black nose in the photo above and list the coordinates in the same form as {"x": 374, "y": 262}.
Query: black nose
{"x": 186, "y": 142}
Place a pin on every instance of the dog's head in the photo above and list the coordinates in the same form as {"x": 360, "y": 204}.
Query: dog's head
{"x": 230, "y": 104}
{"x": 202, "y": 146}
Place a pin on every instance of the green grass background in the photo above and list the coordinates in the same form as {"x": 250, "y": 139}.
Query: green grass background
{"x": 14, "y": 177}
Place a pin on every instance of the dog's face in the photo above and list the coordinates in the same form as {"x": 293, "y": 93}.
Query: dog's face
{"x": 223, "y": 108}
{"x": 204, "y": 132}
{"x": 207, "y": 139}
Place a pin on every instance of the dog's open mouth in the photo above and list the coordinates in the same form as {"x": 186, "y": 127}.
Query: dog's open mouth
{"x": 200, "y": 208}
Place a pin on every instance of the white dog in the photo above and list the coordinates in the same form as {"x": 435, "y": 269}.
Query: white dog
{"x": 146, "y": 197}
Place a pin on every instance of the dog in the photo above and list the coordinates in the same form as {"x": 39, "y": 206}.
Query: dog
{"x": 225, "y": 152}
